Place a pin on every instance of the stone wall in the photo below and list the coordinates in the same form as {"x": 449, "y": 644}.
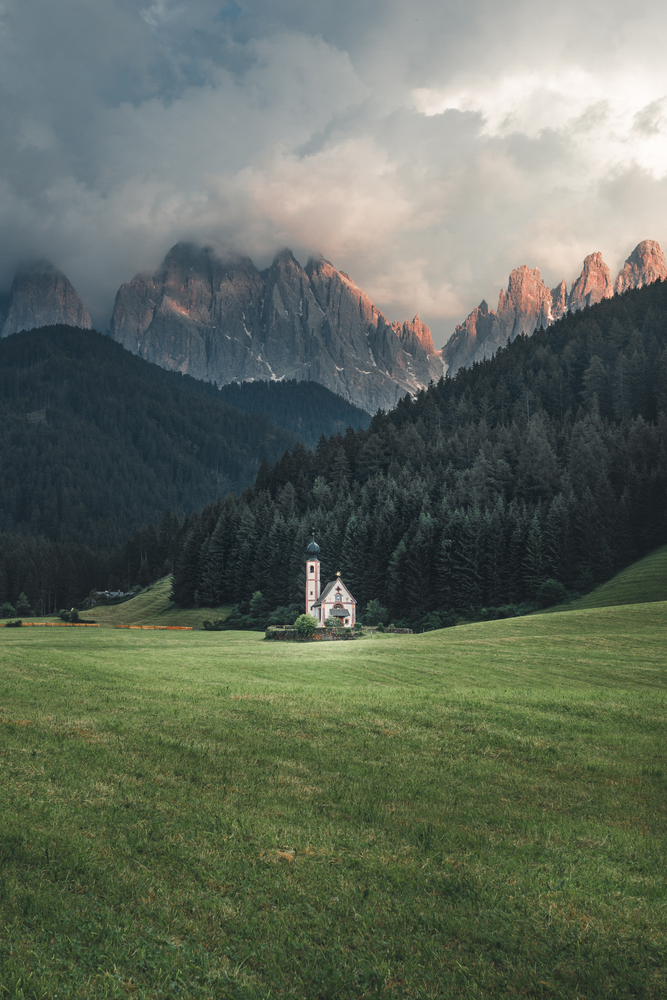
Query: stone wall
{"x": 320, "y": 634}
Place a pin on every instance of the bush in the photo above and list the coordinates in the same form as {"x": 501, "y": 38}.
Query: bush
{"x": 332, "y": 622}
{"x": 432, "y": 621}
{"x": 305, "y": 625}
{"x": 14, "y": 624}
{"x": 284, "y": 614}
{"x": 216, "y": 626}
{"x": 551, "y": 592}
{"x": 69, "y": 616}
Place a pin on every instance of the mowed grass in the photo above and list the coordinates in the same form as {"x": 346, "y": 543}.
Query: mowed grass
{"x": 643, "y": 581}
{"x": 152, "y": 607}
{"x": 477, "y": 812}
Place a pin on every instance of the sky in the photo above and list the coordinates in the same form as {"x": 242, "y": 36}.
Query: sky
{"x": 425, "y": 147}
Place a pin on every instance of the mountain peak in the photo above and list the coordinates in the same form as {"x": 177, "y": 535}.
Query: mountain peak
{"x": 645, "y": 264}
{"x": 592, "y": 285}
{"x": 230, "y": 323}
{"x": 528, "y": 304}
{"x": 41, "y": 295}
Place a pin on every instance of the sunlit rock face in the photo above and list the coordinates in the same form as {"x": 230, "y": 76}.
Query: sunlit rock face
{"x": 225, "y": 321}
{"x": 559, "y": 301}
{"x": 525, "y": 306}
{"x": 592, "y": 285}
{"x": 645, "y": 265}
{"x": 471, "y": 339}
{"x": 41, "y": 295}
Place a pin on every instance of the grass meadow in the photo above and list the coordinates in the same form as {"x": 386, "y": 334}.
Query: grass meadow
{"x": 477, "y": 812}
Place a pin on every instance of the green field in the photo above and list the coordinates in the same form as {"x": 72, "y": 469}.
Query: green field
{"x": 476, "y": 812}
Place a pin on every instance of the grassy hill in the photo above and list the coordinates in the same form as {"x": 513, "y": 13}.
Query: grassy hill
{"x": 475, "y": 812}
{"x": 643, "y": 581}
{"x": 152, "y": 607}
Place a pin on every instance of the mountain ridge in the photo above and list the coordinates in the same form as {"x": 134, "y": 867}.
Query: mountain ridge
{"x": 224, "y": 321}
{"x": 528, "y": 304}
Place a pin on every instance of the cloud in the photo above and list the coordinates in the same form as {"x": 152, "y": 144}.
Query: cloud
{"x": 424, "y": 148}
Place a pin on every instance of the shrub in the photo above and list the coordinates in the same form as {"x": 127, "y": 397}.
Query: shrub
{"x": 332, "y": 622}
{"x": 551, "y": 592}
{"x": 14, "y": 624}
{"x": 285, "y": 613}
{"x": 69, "y": 616}
{"x": 305, "y": 625}
{"x": 216, "y": 626}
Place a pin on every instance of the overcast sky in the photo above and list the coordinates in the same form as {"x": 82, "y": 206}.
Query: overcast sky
{"x": 425, "y": 147}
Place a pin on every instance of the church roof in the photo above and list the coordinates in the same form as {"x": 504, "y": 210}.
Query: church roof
{"x": 327, "y": 590}
{"x": 339, "y": 613}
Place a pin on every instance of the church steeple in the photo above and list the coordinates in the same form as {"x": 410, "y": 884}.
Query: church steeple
{"x": 313, "y": 549}
{"x": 312, "y": 576}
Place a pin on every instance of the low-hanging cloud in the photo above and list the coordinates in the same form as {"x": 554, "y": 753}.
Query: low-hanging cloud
{"x": 425, "y": 148}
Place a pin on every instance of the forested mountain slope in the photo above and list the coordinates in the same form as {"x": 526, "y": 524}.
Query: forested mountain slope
{"x": 96, "y": 443}
{"x": 547, "y": 461}
{"x": 306, "y": 408}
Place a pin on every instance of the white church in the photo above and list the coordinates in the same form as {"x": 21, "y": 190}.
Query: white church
{"x": 335, "y": 601}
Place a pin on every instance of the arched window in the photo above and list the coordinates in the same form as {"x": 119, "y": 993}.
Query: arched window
{"x": 312, "y": 569}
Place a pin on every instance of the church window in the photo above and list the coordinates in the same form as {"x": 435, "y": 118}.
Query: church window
{"x": 312, "y": 569}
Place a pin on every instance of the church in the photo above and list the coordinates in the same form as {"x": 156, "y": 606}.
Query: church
{"x": 335, "y": 601}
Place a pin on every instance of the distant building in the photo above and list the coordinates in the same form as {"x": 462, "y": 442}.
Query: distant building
{"x": 335, "y": 601}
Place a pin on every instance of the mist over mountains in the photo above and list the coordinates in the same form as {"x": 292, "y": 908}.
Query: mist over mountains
{"x": 225, "y": 321}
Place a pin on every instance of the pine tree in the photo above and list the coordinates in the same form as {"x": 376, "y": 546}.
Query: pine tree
{"x": 533, "y": 560}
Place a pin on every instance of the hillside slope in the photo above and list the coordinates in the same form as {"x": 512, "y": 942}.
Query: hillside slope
{"x": 95, "y": 442}
{"x": 643, "y": 582}
{"x": 305, "y": 408}
{"x": 152, "y": 607}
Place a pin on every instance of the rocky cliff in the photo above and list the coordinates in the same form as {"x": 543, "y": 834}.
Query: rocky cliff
{"x": 645, "y": 264}
{"x": 592, "y": 285}
{"x": 527, "y": 304}
{"x": 226, "y": 321}
{"x": 41, "y": 295}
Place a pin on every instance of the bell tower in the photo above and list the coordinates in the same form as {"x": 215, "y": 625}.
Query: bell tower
{"x": 312, "y": 575}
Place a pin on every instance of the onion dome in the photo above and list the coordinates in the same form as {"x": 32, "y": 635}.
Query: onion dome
{"x": 313, "y": 550}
